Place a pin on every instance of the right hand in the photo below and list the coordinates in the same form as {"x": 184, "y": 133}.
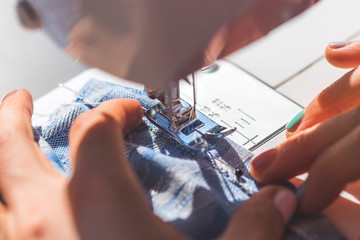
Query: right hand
{"x": 325, "y": 142}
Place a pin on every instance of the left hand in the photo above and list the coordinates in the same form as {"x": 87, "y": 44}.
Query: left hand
{"x": 100, "y": 201}
{"x": 103, "y": 199}
{"x": 326, "y": 141}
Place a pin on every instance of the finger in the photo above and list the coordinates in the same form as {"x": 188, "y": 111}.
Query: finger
{"x": 264, "y": 216}
{"x": 339, "y": 97}
{"x": 127, "y": 113}
{"x": 5, "y": 226}
{"x": 21, "y": 161}
{"x": 120, "y": 115}
{"x": 103, "y": 180}
{"x": 15, "y": 112}
{"x": 99, "y": 134}
{"x": 333, "y": 169}
{"x": 296, "y": 155}
{"x": 343, "y": 54}
{"x": 96, "y": 145}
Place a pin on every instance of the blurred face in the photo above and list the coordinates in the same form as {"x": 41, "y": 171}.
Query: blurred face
{"x": 150, "y": 41}
{"x": 157, "y": 41}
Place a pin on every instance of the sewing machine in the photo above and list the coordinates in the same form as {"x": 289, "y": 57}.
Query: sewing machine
{"x": 199, "y": 130}
{"x": 226, "y": 97}
{"x": 288, "y": 78}
{"x": 182, "y": 121}
{"x": 251, "y": 121}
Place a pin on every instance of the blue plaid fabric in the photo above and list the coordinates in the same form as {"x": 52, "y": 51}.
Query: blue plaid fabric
{"x": 197, "y": 193}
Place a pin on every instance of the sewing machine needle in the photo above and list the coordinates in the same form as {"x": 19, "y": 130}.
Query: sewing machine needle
{"x": 169, "y": 102}
{"x": 194, "y": 93}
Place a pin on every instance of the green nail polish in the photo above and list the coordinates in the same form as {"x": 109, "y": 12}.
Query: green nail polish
{"x": 295, "y": 120}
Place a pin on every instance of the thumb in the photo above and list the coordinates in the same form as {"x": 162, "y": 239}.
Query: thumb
{"x": 264, "y": 216}
{"x": 99, "y": 132}
{"x": 104, "y": 191}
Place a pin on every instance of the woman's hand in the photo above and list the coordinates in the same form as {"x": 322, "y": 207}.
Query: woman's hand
{"x": 326, "y": 140}
{"x": 103, "y": 199}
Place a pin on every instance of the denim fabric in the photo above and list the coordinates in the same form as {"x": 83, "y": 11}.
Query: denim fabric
{"x": 197, "y": 193}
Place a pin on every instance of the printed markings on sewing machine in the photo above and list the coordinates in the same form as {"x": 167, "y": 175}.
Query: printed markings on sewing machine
{"x": 246, "y": 114}
{"x": 239, "y": 125}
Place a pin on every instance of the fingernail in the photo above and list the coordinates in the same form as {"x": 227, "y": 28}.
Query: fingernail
{"x": 295, "y": 120}
{"x": 264, "y": 160}
{"x": 340, "y": 44}
{"x": 8, "y": 94}
{"x": 285, "y": 202}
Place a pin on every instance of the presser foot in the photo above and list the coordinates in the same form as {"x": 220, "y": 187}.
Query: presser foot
{"x": 189, "y": 127}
